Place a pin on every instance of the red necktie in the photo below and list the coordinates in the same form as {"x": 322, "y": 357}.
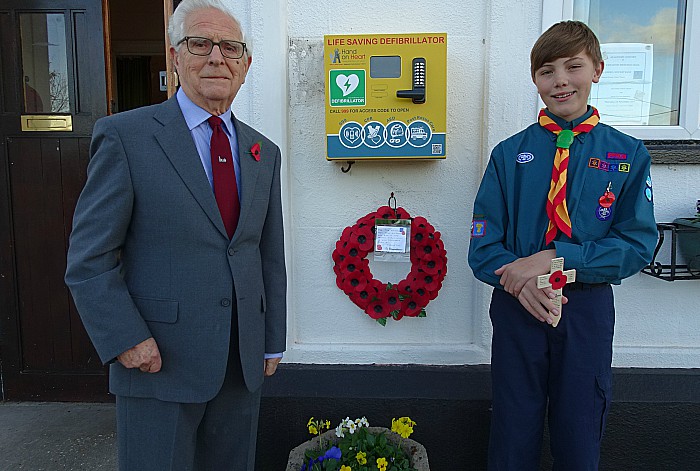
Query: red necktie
{"x": 225, "y": 187}
{"x": 556, "y": 199}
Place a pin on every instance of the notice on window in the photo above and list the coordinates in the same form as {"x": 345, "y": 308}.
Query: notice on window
{"x": 623, "y": 95}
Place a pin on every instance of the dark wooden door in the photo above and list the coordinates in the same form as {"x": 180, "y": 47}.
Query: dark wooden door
{"x": 51, "y": 69}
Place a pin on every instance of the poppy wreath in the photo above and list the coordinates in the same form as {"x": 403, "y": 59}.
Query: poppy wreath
{"x": 380, "y": 300}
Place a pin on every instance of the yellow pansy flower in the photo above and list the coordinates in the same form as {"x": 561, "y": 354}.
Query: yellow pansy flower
{"x": 312, "y": 426}
{"x": 403, "y": 426}
{"x": 361, "y": 457}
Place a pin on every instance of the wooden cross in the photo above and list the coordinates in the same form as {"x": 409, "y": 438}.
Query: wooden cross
{"x": 556, "y": 279}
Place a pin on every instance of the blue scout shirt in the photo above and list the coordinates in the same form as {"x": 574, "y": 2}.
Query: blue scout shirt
{"x": 607, "y": 244}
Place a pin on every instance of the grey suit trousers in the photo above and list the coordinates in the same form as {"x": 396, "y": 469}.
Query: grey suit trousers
{"x": 219, "y": 435}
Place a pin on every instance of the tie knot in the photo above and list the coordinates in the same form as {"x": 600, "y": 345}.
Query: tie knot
{"x": 214, "y": 121}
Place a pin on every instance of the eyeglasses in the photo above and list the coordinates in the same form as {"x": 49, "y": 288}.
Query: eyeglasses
{"x": 203, "y": 47}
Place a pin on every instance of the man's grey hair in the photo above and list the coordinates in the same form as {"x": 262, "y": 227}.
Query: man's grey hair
{"x": 176, "y": 24}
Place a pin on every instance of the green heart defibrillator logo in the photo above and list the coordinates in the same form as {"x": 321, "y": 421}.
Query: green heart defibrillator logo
{"x": 347, "y": 87}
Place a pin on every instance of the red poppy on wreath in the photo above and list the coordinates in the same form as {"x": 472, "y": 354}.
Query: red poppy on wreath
{"x": 392, "y": 300}
{"x": 420, "y": 294}
{"x": 419, "y": 236}
{"x": 406, "y": 286}
{"x": 363, "y": 221}
{"x": 363, "y": 297}
{"x": 255, "y": 151}
{"x": 411, "y": 308}
{"x": 424, "y": 248}
{"x": 376, "y": 309}
{"x": 433, "y": 294}
{"x": 432, "y": 264}
{"x": 557, "y": 279}
{"x": 385, "y": 212}
{"x": 362, "y": 239}
{"x": 430, "y": 282}
{"x": 385, "y": 304}
{"x": 381, "y": 300}
{"x": 353, "y": 266}
{"x": 356, "y": 281}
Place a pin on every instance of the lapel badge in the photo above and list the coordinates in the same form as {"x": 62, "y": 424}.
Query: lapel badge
{"x": 524, "y": 157}
{"x": 605, "y": 202}
{"x": 615, "y": 156}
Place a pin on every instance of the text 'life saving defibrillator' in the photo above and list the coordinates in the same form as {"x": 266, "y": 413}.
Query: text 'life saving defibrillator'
{"x": 386, "y": 96}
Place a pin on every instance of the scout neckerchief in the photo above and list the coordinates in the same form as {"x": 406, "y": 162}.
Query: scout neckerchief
{"x": 556, "y": 199}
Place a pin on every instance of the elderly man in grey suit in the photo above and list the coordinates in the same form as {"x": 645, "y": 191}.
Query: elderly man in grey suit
{"x": 176, "y": 259}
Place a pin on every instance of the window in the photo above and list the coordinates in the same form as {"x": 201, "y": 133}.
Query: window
{"x": 652, "y": 56}
{"x": 44, "y": 64}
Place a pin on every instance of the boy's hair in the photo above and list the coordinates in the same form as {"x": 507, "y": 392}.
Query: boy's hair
{"x": 564, "y": 39}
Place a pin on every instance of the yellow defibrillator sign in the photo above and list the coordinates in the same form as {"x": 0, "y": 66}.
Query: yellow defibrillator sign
{"x": 386, "y": 96}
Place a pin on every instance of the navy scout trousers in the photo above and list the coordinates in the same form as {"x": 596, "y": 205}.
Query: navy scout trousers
{"x": 564, "y": 371}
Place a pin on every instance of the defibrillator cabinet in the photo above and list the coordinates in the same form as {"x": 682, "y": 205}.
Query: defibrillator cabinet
{"x": 386, "y": 96}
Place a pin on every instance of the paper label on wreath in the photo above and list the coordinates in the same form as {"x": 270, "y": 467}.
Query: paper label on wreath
{"x": 392, "y": 240}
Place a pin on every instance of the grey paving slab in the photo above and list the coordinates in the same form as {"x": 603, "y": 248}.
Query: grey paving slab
{"x": 57, "y": 436}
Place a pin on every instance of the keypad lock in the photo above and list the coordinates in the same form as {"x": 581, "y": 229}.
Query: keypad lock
{"x": 417, "y": 93}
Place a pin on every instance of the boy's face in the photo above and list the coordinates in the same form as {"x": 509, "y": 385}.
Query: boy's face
{"x": 565, "y": 83}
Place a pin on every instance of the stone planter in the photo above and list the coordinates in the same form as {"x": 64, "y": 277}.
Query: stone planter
{"x": 689, "y": 243}
{"x": 413, "y": 449}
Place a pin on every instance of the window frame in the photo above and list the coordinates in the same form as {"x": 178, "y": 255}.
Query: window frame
{"x": 688, "y": 128}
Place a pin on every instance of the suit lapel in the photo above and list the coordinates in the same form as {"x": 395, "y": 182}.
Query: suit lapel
{"x": 176, "y": 140}
{"x": 249, "y": 171}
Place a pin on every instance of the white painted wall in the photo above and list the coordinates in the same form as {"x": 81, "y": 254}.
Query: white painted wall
{"x": 490, "y": 96}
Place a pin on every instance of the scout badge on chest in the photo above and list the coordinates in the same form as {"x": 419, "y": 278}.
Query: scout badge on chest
{"x": 605, "y": 202}
{"x": 556, "y": 279}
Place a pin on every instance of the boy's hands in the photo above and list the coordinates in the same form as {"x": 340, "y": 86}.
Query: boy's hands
{"x": 538, "y": 302}
{"x": 519, "y": 278}
{"x": 514, "y": 275}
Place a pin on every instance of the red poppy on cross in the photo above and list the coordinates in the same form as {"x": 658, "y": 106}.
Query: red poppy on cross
{"x": 556, "y": 279}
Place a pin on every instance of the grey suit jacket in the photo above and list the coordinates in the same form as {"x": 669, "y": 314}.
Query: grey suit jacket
{"x": 149, "y": 256}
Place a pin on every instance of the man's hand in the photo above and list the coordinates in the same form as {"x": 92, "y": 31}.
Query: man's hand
{"x": 144, "y": 356}
{"x": 271, "y": 365}
{"x": 516, "y": 274}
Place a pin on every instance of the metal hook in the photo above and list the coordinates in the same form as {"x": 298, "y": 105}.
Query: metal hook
{"x": 392, "y": 197}
{"x": 346, "y": 170}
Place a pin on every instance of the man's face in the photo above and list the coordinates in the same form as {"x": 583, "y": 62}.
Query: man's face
{"x": 565, "y": 84}
{"x": 212, "y": 81}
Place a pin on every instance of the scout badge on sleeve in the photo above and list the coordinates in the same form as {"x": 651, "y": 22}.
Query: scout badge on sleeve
{"x": 478, "y": 227}
{"x": 605, "y": 202}
{"x": 556, "y": 279}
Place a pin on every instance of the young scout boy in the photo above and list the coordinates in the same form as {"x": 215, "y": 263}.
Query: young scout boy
{"x": 590, "y": 204}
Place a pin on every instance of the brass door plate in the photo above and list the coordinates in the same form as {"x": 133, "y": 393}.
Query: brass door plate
{"x": 50, "y": 122}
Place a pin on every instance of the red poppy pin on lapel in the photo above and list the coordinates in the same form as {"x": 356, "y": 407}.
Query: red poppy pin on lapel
{"x": 255, "y": 151}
